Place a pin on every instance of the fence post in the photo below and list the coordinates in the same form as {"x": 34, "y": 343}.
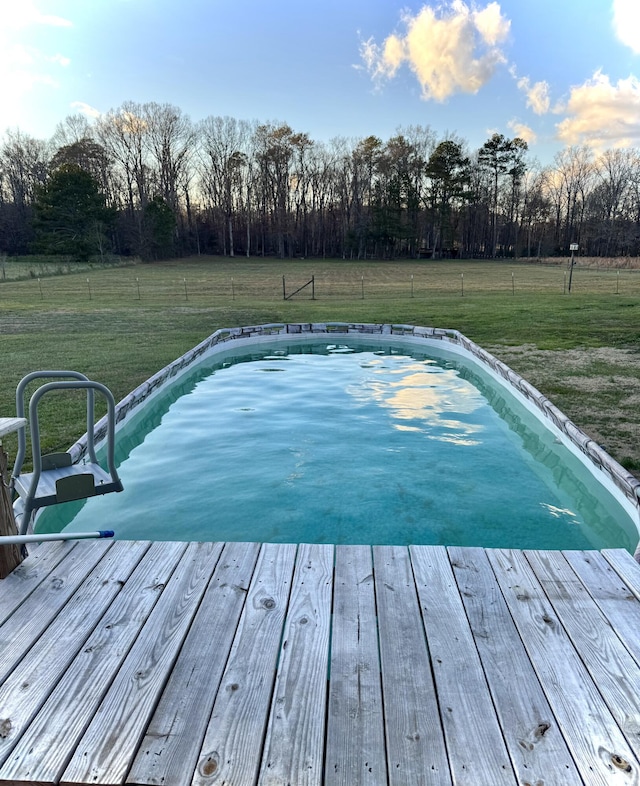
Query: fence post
{"x": 10, "y": 556}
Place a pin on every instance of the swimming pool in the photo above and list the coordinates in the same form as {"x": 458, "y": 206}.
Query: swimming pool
{"x": 349, "y": 437}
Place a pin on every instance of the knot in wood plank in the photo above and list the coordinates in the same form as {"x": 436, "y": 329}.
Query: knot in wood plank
{"x": 209, "y": 766}
{"x": 621, "y": 763}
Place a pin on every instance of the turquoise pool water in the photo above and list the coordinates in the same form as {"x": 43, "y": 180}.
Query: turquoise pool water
{"x": 348, "y": 444}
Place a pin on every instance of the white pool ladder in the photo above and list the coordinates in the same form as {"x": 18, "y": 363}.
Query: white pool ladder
{"x": 55, "y": 478}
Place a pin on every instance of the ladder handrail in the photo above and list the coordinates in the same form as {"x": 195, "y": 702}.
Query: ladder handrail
{"x": 20, "y": 412}
{"x": 90, "y": 386}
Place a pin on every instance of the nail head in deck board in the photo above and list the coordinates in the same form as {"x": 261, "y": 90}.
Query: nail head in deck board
{"x": 42, "y": 560}
{"x": 355, "y": 729}
{"x": 473, "y": 737}
{"x": 232, "y": 746}
{"x": 42, "y": 752}
{"x": 125, "y": 711}
{"x": 611, "y": 666}
{"x": 537, "y": 749}
{"x": 294, "y": 743}
{"x": 591, "y": 733}
{"x": 20, "y": 631}
{"x": 30, "y": 683}
{"x": 170, "y": 748}
{"x": 416, "y": 752}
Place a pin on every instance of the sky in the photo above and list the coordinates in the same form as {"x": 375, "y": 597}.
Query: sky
{"x": 554, "y": 72}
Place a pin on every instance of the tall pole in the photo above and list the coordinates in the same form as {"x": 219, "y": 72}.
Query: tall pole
{"x": 570, "y": 270}
{"x": 573, "y": 247}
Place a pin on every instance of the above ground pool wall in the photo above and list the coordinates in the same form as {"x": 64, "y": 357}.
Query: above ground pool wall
{"x": 225, "y": 338}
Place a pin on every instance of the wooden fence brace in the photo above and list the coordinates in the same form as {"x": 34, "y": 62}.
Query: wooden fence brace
{"x": 311, "y": 282}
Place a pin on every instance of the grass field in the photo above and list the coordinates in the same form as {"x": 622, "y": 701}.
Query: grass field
{"x": 120, "y": 325}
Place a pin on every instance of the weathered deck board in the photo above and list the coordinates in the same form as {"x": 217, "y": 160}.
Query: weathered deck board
{"x": 477, "y": 752}
{"x": 626, "y": 567}
{"x": 42, "y": 752}
{"x": 29, "y": 684}
{"x": 605, "y": 657}
{"x": 294, "y": 743}
{"x": 537, "y": 749}
{"x": 170, "y": 749}
{"x": 618, "y": 604}
{"x": 29, "y": 575}
{"x": 416, "y": 751}
{"x": 22, "y": 629}
{"x": 601, "y": 753}
{"x": 126, "y": 709}
{"x": 355, "y": 734}
{"x": 232, "y": 748}
{"x": 203, "y": 664}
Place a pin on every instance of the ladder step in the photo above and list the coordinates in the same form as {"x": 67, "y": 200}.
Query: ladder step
{"x": 56, "y": 460}
{"x": 63, "y": 484}
{"x": 75, "y": 487}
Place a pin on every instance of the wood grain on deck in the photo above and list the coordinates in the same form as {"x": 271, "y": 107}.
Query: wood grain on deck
{"x": 242, "y": 663}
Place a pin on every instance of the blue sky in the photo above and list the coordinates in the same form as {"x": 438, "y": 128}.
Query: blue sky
{"x": 557, "y": 72}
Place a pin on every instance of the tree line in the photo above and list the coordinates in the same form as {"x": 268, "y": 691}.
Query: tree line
{"x": 144, "y": 180}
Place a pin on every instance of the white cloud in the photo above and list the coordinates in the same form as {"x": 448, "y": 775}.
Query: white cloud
{"x": 491, "y": 25}
{"x": 450, "y": 49}
{"x": 537, "y": 95}
{"x": 24, "y": 14}
{"x": 626, "y": 23}
{"x": 86, "y": 109}
{"x": 523, "y": 131}
{"x": 602, "y": 114}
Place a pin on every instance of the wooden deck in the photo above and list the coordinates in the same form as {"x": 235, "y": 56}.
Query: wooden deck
{"x": 239, "y": 664}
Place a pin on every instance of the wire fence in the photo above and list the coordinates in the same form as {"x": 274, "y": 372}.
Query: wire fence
{"x": 200, "y": 283}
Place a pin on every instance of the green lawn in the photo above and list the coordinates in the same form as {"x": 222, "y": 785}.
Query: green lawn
{"x": 120, "y": 325}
